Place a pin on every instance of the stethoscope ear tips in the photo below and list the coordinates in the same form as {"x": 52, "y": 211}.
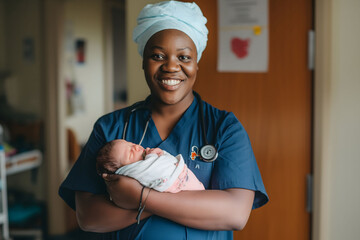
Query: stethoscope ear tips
{"x": 208, "y": 153}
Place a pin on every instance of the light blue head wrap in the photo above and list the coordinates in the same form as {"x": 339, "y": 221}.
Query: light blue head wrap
{"x": 186, "y": 17}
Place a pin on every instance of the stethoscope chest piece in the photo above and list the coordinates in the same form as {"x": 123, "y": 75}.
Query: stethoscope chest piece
{"x": 208, "y": 153}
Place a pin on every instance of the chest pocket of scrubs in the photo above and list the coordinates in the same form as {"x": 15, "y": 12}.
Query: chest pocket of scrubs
{"x": 201, "y": 169}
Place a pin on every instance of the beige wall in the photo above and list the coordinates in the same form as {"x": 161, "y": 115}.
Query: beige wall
{"x": 137, "y": 88}
{"x": 337, "y": 120}
{"x": 85, "y": 20}
{"x": 24, "y": 88}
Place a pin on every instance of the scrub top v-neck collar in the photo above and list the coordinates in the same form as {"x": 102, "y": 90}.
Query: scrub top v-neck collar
{"x": 172, "y": 140}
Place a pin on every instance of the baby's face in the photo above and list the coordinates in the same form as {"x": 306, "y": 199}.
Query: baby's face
{"x": 127, "y": 152}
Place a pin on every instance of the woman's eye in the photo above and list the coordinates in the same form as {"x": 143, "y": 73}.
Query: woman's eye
{"x": 157, "y": 57}
{"x": 185, "y": 58}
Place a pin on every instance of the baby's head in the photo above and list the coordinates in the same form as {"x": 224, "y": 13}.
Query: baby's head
{"x": 116, "y": 154}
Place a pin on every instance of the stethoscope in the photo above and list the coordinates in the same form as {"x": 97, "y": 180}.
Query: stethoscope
{"x": 208, "y": 152}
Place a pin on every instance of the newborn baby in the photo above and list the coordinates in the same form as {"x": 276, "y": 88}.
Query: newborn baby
{"x": 153, "y": 168}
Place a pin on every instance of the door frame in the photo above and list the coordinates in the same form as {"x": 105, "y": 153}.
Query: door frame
{"x": 322, "y": 118}
{"x": 55, "y": 150}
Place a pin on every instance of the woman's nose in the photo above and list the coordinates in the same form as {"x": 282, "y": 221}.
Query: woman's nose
{"x": 171, "y": 65}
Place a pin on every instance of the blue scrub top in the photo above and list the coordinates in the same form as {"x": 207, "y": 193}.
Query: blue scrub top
{"x": 235, "y": 166}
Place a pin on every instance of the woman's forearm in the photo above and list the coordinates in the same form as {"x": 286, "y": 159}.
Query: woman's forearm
{"x": 96, "y": 213}
{"x": 205, "y": 209}
{"x": 208, "y": 210}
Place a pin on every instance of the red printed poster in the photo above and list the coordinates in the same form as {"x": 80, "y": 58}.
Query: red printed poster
{"x": 243, "y": 35}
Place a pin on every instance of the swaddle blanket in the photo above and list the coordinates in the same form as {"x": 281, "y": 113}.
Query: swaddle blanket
{"x": 157, "y": 172}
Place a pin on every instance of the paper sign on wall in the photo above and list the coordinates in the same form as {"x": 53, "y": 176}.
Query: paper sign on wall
{"x": 243, "y": 35}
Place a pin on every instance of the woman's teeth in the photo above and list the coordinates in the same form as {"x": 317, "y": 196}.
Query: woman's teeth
{"x": 170, "y": 82}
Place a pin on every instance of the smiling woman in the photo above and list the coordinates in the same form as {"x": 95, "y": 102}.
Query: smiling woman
{"x": 170, "y": 67}
{"x": 171, "y": 37}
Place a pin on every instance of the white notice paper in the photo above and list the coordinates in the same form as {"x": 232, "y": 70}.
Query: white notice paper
{"x": 243, "y": 35}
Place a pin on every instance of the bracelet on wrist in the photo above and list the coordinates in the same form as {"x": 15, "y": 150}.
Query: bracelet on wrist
{"x": 142, "y": 204}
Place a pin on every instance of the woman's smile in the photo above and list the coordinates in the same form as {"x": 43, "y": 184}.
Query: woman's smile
{"x": 170, "y": 84}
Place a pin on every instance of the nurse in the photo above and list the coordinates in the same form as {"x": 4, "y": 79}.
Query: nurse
{"x": 171, "y": 37}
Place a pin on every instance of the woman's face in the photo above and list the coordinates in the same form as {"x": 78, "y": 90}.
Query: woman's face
{"x": 170, "y": 66}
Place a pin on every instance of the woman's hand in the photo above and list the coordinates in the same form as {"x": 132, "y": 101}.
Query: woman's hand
{"x": 124, "y": 191}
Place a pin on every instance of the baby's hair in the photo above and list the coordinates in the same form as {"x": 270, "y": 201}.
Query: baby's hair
{"x": 104, "y": 162}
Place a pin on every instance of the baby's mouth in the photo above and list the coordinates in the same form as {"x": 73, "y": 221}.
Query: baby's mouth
{"x": 144, "y": 154}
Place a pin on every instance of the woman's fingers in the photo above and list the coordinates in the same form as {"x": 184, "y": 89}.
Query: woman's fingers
{"x": 110, "y": 177}
{"x": 124, "y": 191}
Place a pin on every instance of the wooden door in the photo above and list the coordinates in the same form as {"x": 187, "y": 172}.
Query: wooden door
{"x": 276, "y": 110}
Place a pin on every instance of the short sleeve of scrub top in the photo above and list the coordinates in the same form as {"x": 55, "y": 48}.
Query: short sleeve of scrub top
{"x": 235, "y": 166}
